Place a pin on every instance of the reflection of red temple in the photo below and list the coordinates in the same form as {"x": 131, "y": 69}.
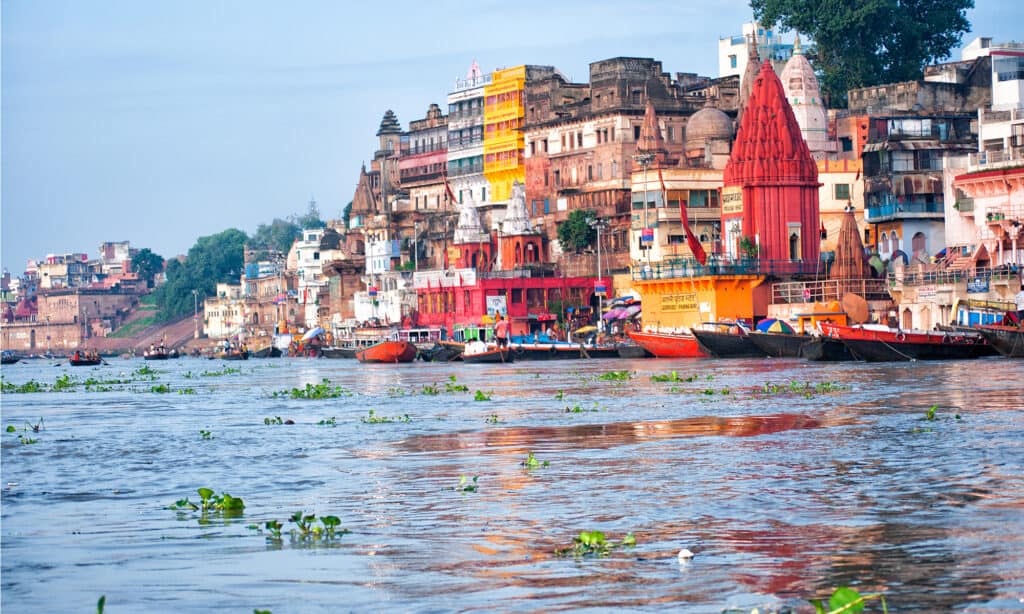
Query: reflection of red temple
{"x": 773, "y": 180}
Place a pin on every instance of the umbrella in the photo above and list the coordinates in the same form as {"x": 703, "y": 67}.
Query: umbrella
{"x": 613, "y": 314}
{"x": 771, "y": 325}
{"x": 313, "y": 332}
{"x": 632, "y": 310}
{"x": 584, "y": 330}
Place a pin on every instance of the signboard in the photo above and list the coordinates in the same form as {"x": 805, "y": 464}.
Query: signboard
{"x": 647, "y": 235}
{"x": 683, "y": 301}
{"x": 978, "y": 285}
{"x": 454, "y": 253}
{"x": 927, "y": 293}
{"x": 600, "y": 289}
{"x": 372, "y": 290}
{"x": 496, "y": 304}
{"x": 732, "y": 200}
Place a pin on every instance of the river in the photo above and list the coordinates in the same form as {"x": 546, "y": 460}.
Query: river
{"x": 786, "y": 479}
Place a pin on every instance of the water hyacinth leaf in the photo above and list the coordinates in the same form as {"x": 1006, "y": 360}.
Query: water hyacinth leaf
{"x": 846, "y": 600}
{"x": 629, "y": 540}
{"x": 205, "y": 493}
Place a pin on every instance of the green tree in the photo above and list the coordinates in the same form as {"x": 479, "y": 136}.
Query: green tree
{"x": 214, "y": 259}
{"x": 276, "y": 236}
{"x": 869, "y": 42}
{"x": 575, "y": 232}
{"x": 147, "y": 265}
{"x": 346, "y": 215}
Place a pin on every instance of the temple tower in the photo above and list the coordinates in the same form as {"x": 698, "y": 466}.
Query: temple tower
{"x": 770, "y": 199}
{"x": 804, "y": 95}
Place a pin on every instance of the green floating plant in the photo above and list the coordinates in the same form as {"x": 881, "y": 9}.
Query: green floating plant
{"x": 451, "y": 386}
{"x": 332, "y": 421}
{"x": 846, "y": 600}
{"x": 494, "y": 419}
{"x": 466, "y": 485}
{"x": 531, "y": 462}
{"x": 482, "y": 396}
{"x": 373, "y": 418}
{"x": 616, "y": 376}
{"x": 323, "y": 390}
{"x": 594, "y": 543}
{"x": 212, "y": 503}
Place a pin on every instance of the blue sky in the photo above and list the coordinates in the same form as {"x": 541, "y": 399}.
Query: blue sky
{"x": 159, "y": 122}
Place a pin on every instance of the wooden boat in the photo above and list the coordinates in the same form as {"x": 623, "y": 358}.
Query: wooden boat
{"x": 388, "y": 351}
{"x": 81, "y": 360}
{"x": 9, "y": 358}
{"x": 442, "y": 351}
{"x": 159, "y": 353}
{"x": 631, "y": 349}
{"x": 231, "y": 355}
{"x": 726, "y": 340}
{"x": 825, "y": 349}
{"x": 562, "y": 350}
{"x": 479, "y": 353}
{"x": 335, "y": 351}
{"x": 266, "y": 352}
{"x": 874, "y": 343}
{"x": 668, "y": 345}
{"x": 1007, "y": 340}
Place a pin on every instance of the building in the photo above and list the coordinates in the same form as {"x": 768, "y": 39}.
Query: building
{"x": 67, "y": 319}
{"x": 734, "y": 51}
{"x": 466, "y": 137}
{"x": 801, "y": 87}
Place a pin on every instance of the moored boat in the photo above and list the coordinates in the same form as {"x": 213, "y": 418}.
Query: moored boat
{"x": 442, "y": 351}
{"x": 726, "y": 340}
{"x": 1007, "y": 337}
{"x": 780, "y": 345}
{"x": 875, "y": 343}
{"x": 86, "y": 359}
{"x": 479, "y": 352}
{"x": 388, "y": 351}
{"x": 825, "y": 349}
{"x": 9, "y": 358}
{"x": 159, "y": 353}
{"x": 231, "y": 355}
{"x": 668, "y": 345}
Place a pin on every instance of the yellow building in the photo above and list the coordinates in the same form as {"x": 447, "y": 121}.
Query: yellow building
{"x": 504, "y": 116}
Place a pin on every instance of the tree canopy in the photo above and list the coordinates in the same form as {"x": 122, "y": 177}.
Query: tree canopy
{"x": 311, "y": 219}
{"x": 213, "y": 259}
{"x": 575, "y": 233}
{"x": 869, "y": 42}
{"x": 147, "y": 265}
{"x": 276, "y": 236}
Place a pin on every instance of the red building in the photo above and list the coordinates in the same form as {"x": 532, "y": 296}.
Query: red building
{"x": 770, "y": 198}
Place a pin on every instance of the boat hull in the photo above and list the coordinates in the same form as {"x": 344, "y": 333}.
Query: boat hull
{"x": 823, "y": 349}
{"x": 780, "y": 345}
{"x": 727, "y": 345}
{"x": 561, "y": 351}
{"x": 490, "y": 356}
{"x": 388, "y": 352}
{"x": 894, "y": 345}
{"x": 668, "y": 345}
{"x": 1007, "y": 340}
{"x": 442, "y": 352}
{"x": 633, "y": 350}
{"x": 82, "y": 362}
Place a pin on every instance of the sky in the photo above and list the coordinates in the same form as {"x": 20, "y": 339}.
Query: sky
{"x": 162, "y": 121}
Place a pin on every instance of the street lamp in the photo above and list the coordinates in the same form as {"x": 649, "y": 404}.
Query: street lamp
{"x": 598, "y": 224}
{"x": 645, "y": 159}
{"x": 415, "y": 246}
{"x": 195, "y": 314}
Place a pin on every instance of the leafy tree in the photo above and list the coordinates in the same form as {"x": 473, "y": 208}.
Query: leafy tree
{"x": 214, "y": 259}
{"x": 346, "y": 215}
{"x": 276, "y": 236}
{"x": 869, "y": 42}
{"x": 147, "y": 265}
{"x": 575, "y": 232}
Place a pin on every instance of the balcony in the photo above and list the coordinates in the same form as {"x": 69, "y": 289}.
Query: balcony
{"x": 471, "y": 169}
{"x": 907, "y": 210}
{"x": 965, "y": 206}
{"x": 465, "y": 143}
{"x": 992, "y": 160}
{"x": 423, "y": 149}
{"x": 687, "y": 267}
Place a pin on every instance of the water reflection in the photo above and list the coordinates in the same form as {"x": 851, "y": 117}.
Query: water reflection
{"x": 781, "y": 497}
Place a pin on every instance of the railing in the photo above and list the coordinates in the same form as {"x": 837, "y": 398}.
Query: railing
{"x": 964, "y": 205}
{"x": 895, "y": 210}
{"x": 465, "y": 84}
{"x": 997, "y": 159}
{"x": 465, "y": 114}
{"x": 458, "y": 171}
{"x": 464, "y": 143}
{"x": 1003, "y": 115}
{"x": 829, "y": 290}
{"x": 1004, "y": 272}
{"x": 688, "y": 267}
{"x": 422, "y": 149}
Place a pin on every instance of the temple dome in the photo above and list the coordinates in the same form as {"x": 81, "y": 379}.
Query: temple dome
{"x": 707, "y": 124}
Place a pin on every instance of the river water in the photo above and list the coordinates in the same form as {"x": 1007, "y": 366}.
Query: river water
{"x": 782, "y": 495}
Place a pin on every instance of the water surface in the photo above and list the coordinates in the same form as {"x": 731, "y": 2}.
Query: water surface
{"x": 783, "y": 496}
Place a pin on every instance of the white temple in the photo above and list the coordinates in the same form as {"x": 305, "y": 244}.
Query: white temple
{"x": 804, "y": 95}
{"x": 469, "y": 229}
{"x": 517, "y": 219}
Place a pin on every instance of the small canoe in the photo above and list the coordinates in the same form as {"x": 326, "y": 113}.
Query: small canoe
{"x": 84, "y": 362}
{"x": 388, "y": 352}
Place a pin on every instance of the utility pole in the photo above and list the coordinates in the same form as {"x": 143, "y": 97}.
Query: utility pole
{"x": 195, "y": 313}
{"x": 645, "y": 159}
{"x": 598, "y": 224}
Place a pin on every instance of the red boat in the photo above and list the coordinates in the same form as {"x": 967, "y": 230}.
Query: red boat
{"x": 874, "y": 343}
{"x": 388, "y": 351}
{"x": 668, "y": 345}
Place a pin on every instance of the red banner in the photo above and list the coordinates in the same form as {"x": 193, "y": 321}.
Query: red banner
{"x": 691, "y": 239}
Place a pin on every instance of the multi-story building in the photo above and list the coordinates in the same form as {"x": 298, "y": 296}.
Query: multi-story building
{"x": 734, "y": 51}
{"x": 504, "y": 121}
{"x": 466, "y": 137}
{"x": 64, "y": 271}
{"x": 115, "y": 257}
{"x": 225, "y": 314}
{"x": 582, "y": 139}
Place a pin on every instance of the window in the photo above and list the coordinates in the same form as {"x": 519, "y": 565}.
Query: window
{"x": 483, "y": 194}
{"x": 599, "y": 174}
{"x": 842, "y": 191}
{"x": 590, "y": 173}
{"x": 635, "y": 97}
{"x": 558, "y": 178}
{"x": 579, "y": 139}
{"x": 533, "y": 148}
{"x": 545, "y": 145}
{"x": 732, "y": 61}
{"x": 615, "y": 169}
{"x": 846, "y": 143}
{"x": 636, "y": 133}
{"x": 545, "y": 178}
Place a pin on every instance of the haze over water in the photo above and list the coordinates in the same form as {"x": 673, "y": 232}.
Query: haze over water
{"x": 782, "y": 495}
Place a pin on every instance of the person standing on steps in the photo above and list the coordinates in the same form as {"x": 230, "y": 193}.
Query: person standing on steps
{"x": 501, "y": 331}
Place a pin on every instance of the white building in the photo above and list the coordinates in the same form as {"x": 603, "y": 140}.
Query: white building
{"x": 733, "y": 51}
{"x": 466, "y": 138}
{"x": 801, "y": 88}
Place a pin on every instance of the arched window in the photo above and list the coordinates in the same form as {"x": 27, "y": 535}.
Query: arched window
{"x": 794, "y": 246}
{"x": 518, "y": 257}
{"x": 919, "y": 243}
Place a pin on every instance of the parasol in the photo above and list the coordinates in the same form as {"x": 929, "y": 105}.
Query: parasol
{"x": 771, "y": 325}
{"x": 313, "y": 332}
{"x": 856, "y": 307}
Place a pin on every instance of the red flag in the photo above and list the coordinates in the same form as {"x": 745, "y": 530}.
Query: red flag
{"x": 448, "y": 189}
{"x": 698, "y": 250}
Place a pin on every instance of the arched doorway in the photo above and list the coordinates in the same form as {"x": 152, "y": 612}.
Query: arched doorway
{"x": 794, "y": 246}
{"x": 926, "y": 319}
{"x": 908, "y": 319}
{"x": 32, "y": 339}
{"x": 919, "y": 245}
{"x": 518, "y": 257}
